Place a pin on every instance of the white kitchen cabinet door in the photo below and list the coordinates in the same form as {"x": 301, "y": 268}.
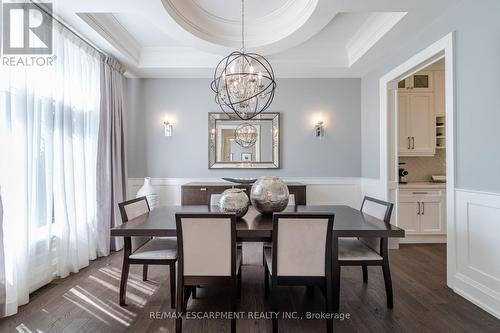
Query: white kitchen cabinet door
{"x": 422, "y": 81}
{"x": 439, "y": 93}
{"x": 431, "y": 216}
{"x": 407, "y": 216}
{"x": 403, "y": 126}
{"x": 422, "y": 124}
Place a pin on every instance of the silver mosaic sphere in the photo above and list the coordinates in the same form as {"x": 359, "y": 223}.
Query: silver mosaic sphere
{"x": 234, "y": 200}
{"x": 269, "y": 194}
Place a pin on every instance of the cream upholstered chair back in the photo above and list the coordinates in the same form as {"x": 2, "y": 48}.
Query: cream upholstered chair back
{"x": 301, "y": 244}
{"x": 206, "y": 244}
{"x": 214, "y": 199}
{"x": 291, "y": 200}
{"x": 131, "y": 209}
{"x": 379, "y": 209}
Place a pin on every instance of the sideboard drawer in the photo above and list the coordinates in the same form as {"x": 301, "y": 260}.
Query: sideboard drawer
{"x": 199, "y": 193}
{"x": 195, "y": 196}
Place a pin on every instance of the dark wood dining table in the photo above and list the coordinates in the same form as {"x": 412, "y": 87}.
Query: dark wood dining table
{"x": 256, "y": 227}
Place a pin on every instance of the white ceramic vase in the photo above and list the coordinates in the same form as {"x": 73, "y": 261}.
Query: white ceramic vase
{"x": 148, "y": 191}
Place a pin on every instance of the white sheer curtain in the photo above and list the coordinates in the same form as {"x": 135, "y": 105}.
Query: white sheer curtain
{"x": 49, "y": 125}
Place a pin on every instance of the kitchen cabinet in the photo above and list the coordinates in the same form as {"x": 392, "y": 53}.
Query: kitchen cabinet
{"x": 422, "y": 212}
{"x": 431, "y": 221}
{"x": 422, "y": 81}
{"x": 408, "y": 216}
{"x": 416, "y": 124}
{"x": 439, "y": 93}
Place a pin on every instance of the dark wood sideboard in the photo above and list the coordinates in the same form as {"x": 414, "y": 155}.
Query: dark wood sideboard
{"x": 199, "y": 193}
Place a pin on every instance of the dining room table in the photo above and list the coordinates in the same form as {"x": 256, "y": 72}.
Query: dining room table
{"x": 257, "y": 227}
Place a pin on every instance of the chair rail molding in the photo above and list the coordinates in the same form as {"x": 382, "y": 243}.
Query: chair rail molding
{"x": 320, "y": 190}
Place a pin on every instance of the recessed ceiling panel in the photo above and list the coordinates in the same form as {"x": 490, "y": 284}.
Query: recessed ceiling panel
{"x": 270, "y": 26}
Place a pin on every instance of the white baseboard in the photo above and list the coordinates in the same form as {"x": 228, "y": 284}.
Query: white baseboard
{"x": 320, "y": 191}
{"x": 423, "y": 239}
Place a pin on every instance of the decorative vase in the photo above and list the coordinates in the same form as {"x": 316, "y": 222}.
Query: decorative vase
{"x": 234, "y": 200}
{"x": 149, "y": 192}
{"x": 269, "y": 194}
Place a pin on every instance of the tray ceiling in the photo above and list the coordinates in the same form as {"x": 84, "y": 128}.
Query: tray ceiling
{"x": 302, "y": 38}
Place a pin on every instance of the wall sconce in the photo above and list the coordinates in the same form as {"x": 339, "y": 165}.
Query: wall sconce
{"x": 319, "y": 130}
{"x": 167, "y": 126}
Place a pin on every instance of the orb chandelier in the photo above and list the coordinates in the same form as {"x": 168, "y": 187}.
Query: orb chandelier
{"x": 244, "y": 83}
{"x": 245, "y": 135}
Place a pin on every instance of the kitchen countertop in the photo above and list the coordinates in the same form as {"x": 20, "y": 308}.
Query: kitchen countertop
{"x": 422, "y": 185}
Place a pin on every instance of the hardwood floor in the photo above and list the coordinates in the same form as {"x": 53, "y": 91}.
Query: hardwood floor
{"x": 88, "y": 301}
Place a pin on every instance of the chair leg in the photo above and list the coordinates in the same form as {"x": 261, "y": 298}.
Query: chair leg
{"x": 187, "y": 294}
{"x": 329, "y": 305}
{"x": 172, "y": 285}
{"x": 274, "y": 305}
{"x": 234, "y": 296}
{"x": 266, "y": 281}
{"x": 239, "y": 284}
{"x": 180, "y": 304}
{"x": 144, "y": 272}
{"x": 336, "y": 287}
{"x": 365, "y": 274}
{"x": 388, "y": 284}
{"x": 123, "y": 281}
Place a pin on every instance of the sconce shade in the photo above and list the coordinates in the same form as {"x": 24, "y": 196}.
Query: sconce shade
{"x": 167, "y": 128}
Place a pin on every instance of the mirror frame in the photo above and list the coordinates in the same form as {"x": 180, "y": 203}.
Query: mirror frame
{"x": 213, "y": 117}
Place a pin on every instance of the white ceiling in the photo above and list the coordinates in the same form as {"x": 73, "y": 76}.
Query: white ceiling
{"x": 301, "y": 38}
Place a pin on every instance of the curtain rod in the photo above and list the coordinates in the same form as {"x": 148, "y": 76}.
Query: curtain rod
{"x": 85, "y": 40}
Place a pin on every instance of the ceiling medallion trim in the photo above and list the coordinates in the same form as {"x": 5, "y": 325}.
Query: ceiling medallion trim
{"x": 277, "y": 12}
{"x": 285, "y": 26}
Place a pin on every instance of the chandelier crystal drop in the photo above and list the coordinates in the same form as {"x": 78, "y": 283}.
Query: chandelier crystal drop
{"x": 244, "y": 83}
{"x": 245, "y": 135}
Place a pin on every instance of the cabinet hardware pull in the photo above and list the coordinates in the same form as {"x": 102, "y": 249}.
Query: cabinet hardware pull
{"x": 203, "y": 188}
{"x": 413, "y": 142}
{"x": 418, "y": 209}
{"x": 419, "y": 192}
{"x": 409, "y": 143}
{"x": 423, "y": 208}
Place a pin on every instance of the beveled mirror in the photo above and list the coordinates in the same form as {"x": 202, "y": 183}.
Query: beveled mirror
{"x": 244, "y": 144}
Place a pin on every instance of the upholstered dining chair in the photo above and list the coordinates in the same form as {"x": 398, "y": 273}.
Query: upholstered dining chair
{"x": 145, "y": 250}
{"x": 291, "y": 202}
{"x": 207, "y": 256}
{"x": 301, "y": 255}
{"x": 371, "y": 251}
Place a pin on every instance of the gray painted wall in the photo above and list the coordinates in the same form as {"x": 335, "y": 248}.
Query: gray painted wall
{"x": 188, "y": 101}
{"x": 477, "y": 73}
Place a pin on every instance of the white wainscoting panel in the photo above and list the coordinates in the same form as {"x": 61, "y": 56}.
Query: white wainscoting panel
{"x": 320, "y": 191}
{"x": 477, "y": 276}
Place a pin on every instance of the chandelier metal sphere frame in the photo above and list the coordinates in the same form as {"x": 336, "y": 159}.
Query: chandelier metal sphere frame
{"x": 244, "y": 83}
{"x": 245, "y": 135}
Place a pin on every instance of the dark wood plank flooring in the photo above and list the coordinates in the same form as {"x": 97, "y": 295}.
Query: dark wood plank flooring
{"x": 88, "y": 301}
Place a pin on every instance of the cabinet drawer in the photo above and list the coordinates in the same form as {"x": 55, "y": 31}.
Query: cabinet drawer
{"x": 195, "y": 196}
{"x": 407, "y": 193}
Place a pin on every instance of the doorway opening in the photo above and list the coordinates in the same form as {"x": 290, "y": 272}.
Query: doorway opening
{"x": 420, "y": 125}
{"x": 415, "y": 85}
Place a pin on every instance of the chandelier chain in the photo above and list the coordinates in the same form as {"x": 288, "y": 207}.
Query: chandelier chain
{"x": 243, "y": 25}
{"x": 244, "y": 83}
